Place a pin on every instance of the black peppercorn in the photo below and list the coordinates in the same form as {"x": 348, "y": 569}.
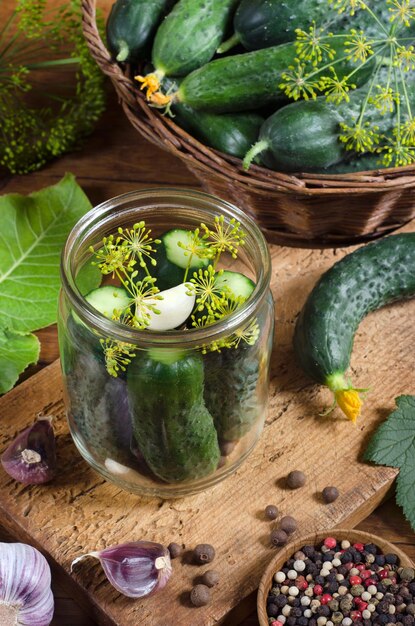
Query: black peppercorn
{"x": 203, "y": 553}
{"x": 370, "y": 548}
{"x": 211, "y": 578}
{"x": 330, "y": 494}
{"x": 281, "y": 600}
{"x": 271, "y": 511}
{"x": 323, "y": 610}
{"x": 296, "y": 612}
{"x": 291, "y": 621}
{"x": 302, "y": 621}
{"x": 391, "y": 559}
{"x": 308, "y": 550}
{"x": 346, "y": 557}
{"x": 380, "y": 559}
{"x": 175, "y": 550}
{"x": 273, "y": 610}
{"x": 296, "y": 479}
{"x": 200, "y": 595}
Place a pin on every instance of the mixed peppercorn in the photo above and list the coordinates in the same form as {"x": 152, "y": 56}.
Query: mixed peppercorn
{"x": 337, "y": 583}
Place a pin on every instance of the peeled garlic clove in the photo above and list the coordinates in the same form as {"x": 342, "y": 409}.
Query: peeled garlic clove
{"x": 25, "y": 594}
{"x": 135, "y": 569}
{"x": 174, "y": 308}
{"x": 31, "y": 457}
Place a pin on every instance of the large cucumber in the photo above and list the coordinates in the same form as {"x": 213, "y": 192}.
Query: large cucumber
{"x": 251, "y": 80}
{"x": 130, "y": 26}
{"x": 304, "y": 136}
{"x": 362, "y": 281}
{"x": 189, "y": 35}
{"x": 264, "y": 23}
{"x": 172, "y": 426}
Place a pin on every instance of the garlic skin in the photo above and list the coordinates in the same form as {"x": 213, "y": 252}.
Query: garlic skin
{"x": 31, "y": 457}
{"x": 136, "y": 569}
{"x": 25, "y": 595}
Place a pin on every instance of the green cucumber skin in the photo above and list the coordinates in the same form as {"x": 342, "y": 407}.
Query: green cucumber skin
{"x": 304, "y": 135}
{"x": 133, "y": 23}
{"x": 190, "y": 34}
{"x": 363, "y": 281}
{"x": 230, "y": 390}
{"x": 248, "y": 81}
{"x": 232, "y": 133}
{"x": 172, "y": 426}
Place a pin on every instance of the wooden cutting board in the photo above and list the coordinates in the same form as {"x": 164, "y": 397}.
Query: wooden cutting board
{"x": 80, "y": 511}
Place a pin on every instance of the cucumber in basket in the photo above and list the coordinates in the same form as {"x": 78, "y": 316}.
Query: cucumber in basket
{"x": 304, "y": 136}
{"x": 249, "y": 81}
{"x": 130, "y": 26}
{"x": 362, "y": 281}
{"x": 187, "y": 38}
{"x": 171, "y": 424}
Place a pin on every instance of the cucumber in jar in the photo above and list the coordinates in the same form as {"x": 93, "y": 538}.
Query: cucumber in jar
{"x": 171, "y": 424}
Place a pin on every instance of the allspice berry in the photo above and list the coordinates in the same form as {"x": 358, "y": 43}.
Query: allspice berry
{"x": 203, "y": 553}
{"x": 296, "y": 479}
{"x": 271, "y": 511}
{"x": 288, "y": 524}
{"x": 200, "y": 595}
{"x": 279, "y": 537}
{"x": 330, "y": 494}
{"x": 175, "y": 550}
{"x": 210, "y": 578}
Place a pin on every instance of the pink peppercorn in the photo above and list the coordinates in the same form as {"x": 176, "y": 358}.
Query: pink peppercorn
{"x": 383, "y": 574}
{"x": 276, "y": 622}
{"x": 301, "y": 583}
{"x": 326, "y": 598}
{"x": 318, "y": 590}
{"x": 361, "y": 605}
{"x": 330, "y": 543}
{"x": 348, "y": 566}
{"x": 356, "y": 615}
{"x": 355, "y": 580}
{"x": 370, "y": 581}
{"x": 360, "y": 567}
{"x": 365, "y": 573}
{"x": 359, "y": 546}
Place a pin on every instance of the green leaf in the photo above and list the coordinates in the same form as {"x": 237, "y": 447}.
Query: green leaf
{"x": 33, "y": 231}
{"x": 394, "y": 444}
{"x": 17, "y": 351}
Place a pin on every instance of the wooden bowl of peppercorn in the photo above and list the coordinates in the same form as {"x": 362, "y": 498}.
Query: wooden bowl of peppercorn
{"x": 367, "y": 553}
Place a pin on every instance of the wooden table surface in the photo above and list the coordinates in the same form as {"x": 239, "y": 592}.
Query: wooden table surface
{"x": 115, "y": 159}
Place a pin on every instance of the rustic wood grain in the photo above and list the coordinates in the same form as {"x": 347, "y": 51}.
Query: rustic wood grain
{"x": 80, "y": 512}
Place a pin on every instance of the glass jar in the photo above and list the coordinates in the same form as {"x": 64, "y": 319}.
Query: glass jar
{"x": 191, "y": 403}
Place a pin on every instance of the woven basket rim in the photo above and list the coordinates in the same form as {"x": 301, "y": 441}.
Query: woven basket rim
{"x": 162, "y": 131}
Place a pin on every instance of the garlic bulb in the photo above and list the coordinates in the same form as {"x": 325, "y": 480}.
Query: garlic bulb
{"x": 135, "y": 569}
{"x": 25, "y": 595}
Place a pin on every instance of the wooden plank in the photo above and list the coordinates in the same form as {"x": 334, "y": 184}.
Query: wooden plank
{"x": 80, "y": 512}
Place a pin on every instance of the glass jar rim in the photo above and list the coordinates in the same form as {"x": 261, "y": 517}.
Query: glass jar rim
{"x": 190, "y": 338}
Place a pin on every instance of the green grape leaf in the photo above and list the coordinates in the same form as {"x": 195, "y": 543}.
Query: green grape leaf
{"x": 33, "y": 231}
{"x": 17, "y": 351}
{"x": 393, "y": 444}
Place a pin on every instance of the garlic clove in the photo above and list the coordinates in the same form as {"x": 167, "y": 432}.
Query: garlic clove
{"x": 136, "y": 569}
{"x": 174, "y": 309}
{"x": 31, "y": 457}
{"x": 25, "y": 594}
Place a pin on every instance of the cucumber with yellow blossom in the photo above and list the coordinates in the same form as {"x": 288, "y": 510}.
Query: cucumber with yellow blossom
{"x": 186, "y": 39}
{"x": 363, "y": 281}
{"x": 251, "y": 80}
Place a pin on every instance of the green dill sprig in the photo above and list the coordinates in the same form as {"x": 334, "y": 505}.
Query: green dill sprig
{"x": 388, "y": 48}
{"x": 42, "y": 117}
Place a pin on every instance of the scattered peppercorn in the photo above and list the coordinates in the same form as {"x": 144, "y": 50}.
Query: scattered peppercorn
{"x": 175, "y": 550}
{"x": 200, "y": 595}
{"x": 210, "y": 578}
{"x": 203, "y": 553}
{"x": 279, "y": 537}
{"x": 271, "y": 511}
{"x": 296, "y": 479}
{"x": 330, "y": 494}
{"x": 288, "y": 524}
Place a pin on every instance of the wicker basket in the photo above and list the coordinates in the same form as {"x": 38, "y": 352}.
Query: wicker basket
{"x": 301, "y": 209}
{"x": 286, "y": 552}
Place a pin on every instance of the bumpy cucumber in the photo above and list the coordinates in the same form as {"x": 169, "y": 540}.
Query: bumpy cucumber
{"x": 231, "y": 378}
{"x": 189, "y": 35}
{"x": 363, "y": 281}
{"x": 304, "y": 136}
{"x": 362, "y": 163}
{"x": 172, "y": 426}
{"x": 130, "y": 26}
{"x": 249, "y": 81}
